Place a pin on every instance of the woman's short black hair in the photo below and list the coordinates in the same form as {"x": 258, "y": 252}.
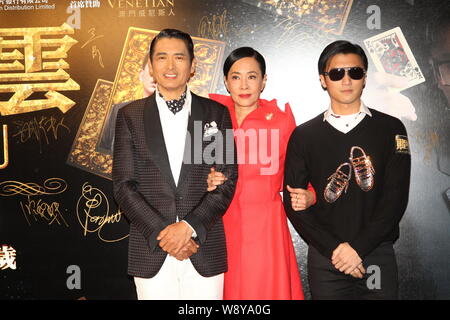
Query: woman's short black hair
{"x": 338, "y": 47}
{"x": 173, "y": 33}
{"x": 244, "y": 52}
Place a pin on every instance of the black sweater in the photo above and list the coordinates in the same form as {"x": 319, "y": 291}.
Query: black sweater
{"x": 363, "y": 219}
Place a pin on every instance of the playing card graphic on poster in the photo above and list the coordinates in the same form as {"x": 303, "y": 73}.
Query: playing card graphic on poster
{"x": 391, "y": 54}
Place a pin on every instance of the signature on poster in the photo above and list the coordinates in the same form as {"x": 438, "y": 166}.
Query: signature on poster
{"x": 93, "y": 213}
{"x": 292, "y": 31}
{"x": 214, "y": 28}
{"x": 94, "y": 50}
{"x": 40, "y": 129}
{"x": 38, "y": 209}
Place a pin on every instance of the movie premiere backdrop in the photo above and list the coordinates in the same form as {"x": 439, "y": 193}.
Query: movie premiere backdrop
{"x": 64, "y": 64}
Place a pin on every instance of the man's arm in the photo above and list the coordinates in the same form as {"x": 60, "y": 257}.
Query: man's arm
{"x": 146, "y": 218}
{"x": 394, "y": 195}
{"x": 306, "y": 223}
{"x": 215, "y": 203}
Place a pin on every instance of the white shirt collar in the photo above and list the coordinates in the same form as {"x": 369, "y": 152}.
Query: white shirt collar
{"x": 187, "y": 103}
{"x": 362, "y": 109}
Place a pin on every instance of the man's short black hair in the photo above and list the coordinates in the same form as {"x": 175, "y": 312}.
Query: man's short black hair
{"x": 340, "y": 47}
{"x": 173, "y": 33}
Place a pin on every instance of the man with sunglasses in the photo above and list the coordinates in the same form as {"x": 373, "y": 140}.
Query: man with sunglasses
{"x": 358, "y": 161}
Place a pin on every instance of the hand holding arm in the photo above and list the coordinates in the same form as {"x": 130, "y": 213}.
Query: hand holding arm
{"x": 301, "y": 199}
{"x": 215, "y": 179}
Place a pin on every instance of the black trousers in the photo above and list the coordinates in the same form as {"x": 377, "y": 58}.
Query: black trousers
{"x": 328, "y": 283}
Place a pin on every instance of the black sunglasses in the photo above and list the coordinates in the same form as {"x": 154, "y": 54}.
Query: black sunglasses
{"x": 356, "y": 73}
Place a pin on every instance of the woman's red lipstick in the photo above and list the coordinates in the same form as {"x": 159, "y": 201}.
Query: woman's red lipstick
{"x": 245, "y": 96}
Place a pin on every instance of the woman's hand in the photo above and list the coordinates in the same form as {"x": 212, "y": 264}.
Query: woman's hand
{"x": 301, "y": 199}
{"x": 215, "y": 178}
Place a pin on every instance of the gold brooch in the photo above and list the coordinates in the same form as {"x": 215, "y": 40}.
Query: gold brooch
{"x": 269, "y": 116}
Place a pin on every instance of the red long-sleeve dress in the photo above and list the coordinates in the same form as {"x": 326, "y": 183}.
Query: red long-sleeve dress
{"x": 261, "y": 258}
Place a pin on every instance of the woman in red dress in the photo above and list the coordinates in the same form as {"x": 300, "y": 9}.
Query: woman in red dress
{"x": 261, "y": 258}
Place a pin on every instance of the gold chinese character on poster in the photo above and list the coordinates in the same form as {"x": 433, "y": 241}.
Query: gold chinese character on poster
{"x": 7, "y": 257}
{"x": 5, "y": 148}
{"x": 32, "y": 60}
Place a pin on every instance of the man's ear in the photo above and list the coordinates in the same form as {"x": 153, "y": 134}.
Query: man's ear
{"x": 323, "y": 82}
{"x": 150, "y": 68}
{"x": 193, "y": 66}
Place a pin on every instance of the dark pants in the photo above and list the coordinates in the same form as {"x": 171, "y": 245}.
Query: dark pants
{"x": 328, "y": 283}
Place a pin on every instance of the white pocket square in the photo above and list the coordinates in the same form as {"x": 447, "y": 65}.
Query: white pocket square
{"x": 210, "y": 129}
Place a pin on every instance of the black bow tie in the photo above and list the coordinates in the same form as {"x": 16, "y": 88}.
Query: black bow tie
{"x": 175, "y": 105}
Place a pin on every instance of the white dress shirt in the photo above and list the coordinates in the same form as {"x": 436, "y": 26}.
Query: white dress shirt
{"x": 174, "y": 128}
{"x": 345, "y": 123}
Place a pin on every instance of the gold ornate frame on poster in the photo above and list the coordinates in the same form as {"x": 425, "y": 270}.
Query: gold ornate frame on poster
{"x": 127, "y": 87}
{"x": 83, "y": 154}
